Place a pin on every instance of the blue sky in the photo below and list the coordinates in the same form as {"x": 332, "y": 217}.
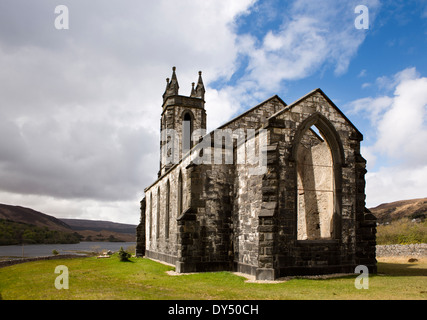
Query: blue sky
{"x": 80, "y": 107}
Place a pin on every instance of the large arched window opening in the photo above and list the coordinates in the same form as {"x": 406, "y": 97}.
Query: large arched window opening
{"x": 318, "y": 158}
{"x": 187, "y": 131}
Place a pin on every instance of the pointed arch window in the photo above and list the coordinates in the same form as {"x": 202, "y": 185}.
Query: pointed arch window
{"x": 150, "y": 228}
{"x": 168, "y": 187}
{"x": 180, "y": 194}
{"x": 187, "y": 131}
{"x": 158, "y": 214}
{"x": 318, "y": 165}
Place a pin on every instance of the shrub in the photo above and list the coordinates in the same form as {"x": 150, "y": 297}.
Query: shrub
{"x": 402, "y": 232}
{"x": 123, "y": 255}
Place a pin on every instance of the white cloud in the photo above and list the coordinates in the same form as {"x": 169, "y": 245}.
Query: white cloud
{"x": 79, "y": 120}
{"x": 371, "y": 107}
{"x": 370, "y": 157}
{"x": 80, "y": 108}
{"x": 362, "y": 73}
{"x": 395, "y": 183}
{"x": 220, "y": 107}
{"x": 401, "y": 134}
{"x": 403, "y": 128}
{"x": 389, "y": 83}
{"x": 312, "y": 35}
{"x": 116, "y": 211}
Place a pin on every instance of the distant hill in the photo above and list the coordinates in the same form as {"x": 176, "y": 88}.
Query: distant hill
{"x": 30, "y": 216}
{"x": 88, "y": 230}
{"x": 97, "y": 225}
{"x": 96, "y": 230}
{"x": 411, "y": 209}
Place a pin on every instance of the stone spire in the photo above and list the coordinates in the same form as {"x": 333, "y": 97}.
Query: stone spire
{"x": 172, "y": 86}
{"x": 200, "y": 88}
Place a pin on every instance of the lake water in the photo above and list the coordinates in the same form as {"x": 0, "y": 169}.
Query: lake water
{"x": 40, "y": 250}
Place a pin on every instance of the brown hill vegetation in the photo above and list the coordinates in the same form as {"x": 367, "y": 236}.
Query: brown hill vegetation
{"x": 88, "y": 230}
{"x": 410, "y": 209}
{"x": 30, "y": 216}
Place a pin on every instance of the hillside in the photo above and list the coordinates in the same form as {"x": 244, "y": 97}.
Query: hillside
{"x": 411, "y": 209}
{"x": 12, "y": 232}
{"x": 97, "y": 225}
{"x": 33, "y": 217}
{"x": 25, "y": 219}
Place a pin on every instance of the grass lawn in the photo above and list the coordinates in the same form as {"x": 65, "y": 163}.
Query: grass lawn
{"x": 99, "y": 279}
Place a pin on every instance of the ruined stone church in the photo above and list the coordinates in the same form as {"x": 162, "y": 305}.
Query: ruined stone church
{"x": 279, "y": 190}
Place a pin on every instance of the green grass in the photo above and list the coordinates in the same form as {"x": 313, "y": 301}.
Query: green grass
{"x": 91, "y": 278}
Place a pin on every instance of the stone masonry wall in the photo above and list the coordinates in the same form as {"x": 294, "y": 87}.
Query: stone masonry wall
{"x": 140, "y": 231}
{"x": 219, "y": 229}
{"x": 204, "y": 230}
{"x": 158, "y": 246}
{"x": 172, "y": 119}
{"x": 339, "y": 252}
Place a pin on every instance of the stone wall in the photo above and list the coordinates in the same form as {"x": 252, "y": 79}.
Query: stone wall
{"x": 402, "y": 250}
{"x": 140, "y": 231}
{"x": 247, "y": 205}
{"x": 157, "y": 241}
{"x": 6, "y": 263}
{"x": 172, "y": 118}
{"x": 339, "y": 252}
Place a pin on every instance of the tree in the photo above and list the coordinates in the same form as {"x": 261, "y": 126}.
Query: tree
{"x": 123, "y": 255}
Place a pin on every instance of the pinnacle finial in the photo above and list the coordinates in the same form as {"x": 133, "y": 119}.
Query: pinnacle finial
{"x": 200, "y": 89}
{"x": 193, "y": 91}
{"x": 172, "y": 85}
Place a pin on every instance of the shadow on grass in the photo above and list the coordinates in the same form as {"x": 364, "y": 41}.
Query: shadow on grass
{"x": 127, "y": 261}
{"x": 401, "y": 269}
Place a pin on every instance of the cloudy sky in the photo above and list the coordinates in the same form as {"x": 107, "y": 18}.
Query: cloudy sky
{"x": 80, "y": 107}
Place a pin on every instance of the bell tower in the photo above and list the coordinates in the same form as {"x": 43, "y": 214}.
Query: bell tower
{"x": 181, "y": 116}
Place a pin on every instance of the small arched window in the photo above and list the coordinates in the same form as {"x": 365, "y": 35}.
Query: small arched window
{"x": 187, "y": 131}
